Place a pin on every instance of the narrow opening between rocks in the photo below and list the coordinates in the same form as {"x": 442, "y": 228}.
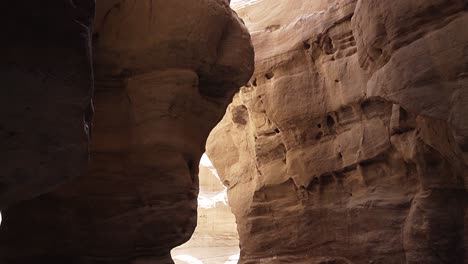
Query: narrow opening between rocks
{"x": 238, "y": 4}
{"x": 215, "y": 240}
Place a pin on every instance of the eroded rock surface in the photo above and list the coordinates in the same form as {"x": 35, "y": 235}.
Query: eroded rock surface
{"x": 165, "y": 71}
{"x": 45, "y": 99}
{"x": 348, "y": 144}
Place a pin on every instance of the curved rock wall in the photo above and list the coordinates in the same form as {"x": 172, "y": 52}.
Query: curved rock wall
{"x": 348, "y": 144}
{"x": 165, "y": 72}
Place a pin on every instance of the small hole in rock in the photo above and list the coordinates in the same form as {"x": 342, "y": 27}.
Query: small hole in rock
{"x": 330, "y": 121}
{"x": 306, "y": 45}
{"x": 319, "y": 135}
{"x": 375, "y": 53}
{"x": 337, "y": 81}
{"x": 328, "y": 45}
{"x": 277, "y": 131}
{"x": 226, "y": 183}
{"x": 254, "y": 82}
{"x": 269, "y": 75}
{"x": 312, "y": 184}
{"x": 326, "y": 178}
{"x": 319, "y": 125}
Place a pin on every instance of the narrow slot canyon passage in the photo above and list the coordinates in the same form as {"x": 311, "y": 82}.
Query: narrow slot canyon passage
{"x": 234, "y": 132}
{"x": 215, "y": 240}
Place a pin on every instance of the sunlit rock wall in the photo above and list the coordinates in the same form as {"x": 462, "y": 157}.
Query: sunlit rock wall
{"x": 348, "y": 144}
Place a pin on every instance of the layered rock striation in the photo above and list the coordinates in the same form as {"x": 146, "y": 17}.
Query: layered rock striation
{"x": 349, "y": 143}
{"x": 164, "y": 73}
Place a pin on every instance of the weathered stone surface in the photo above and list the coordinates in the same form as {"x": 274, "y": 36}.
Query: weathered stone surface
{"x": 165, "y": 72}
{"x": 348, "y": 144}
{"x": 45, "y": 99}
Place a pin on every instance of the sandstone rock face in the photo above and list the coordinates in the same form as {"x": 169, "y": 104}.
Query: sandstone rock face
{"x": 45, "y": 99}
{"x": 215, "y": 240}
{"x": 349, "y": 143}
{"x": 165, "y": 72}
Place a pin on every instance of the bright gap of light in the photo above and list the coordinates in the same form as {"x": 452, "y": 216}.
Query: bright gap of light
{"x": 233, "y": 259}
{"x": 207, "y": 200}
{"x": 206, "y": 162}
{"x": 210, "y": 202}
{"x": 236, "y": 4}
{"x": 189, "y": 259}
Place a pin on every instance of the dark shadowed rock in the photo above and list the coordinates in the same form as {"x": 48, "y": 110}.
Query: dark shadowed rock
{"x": 165, "y": 72}
{"x": 45, "y": 99}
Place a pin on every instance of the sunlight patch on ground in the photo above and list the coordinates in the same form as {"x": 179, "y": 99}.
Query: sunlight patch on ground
{"x": 193, "y": 260}
{"x": 233, "y": 259}
{"x": 189, "y": 259}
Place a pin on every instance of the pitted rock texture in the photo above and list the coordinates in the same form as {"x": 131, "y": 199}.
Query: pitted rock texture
{"x": 165, "y": 72}
{"x": 348, "y": 144}
{"x": 45, "y": 99}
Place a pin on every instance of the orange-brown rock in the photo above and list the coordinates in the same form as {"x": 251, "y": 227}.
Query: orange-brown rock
{"x": 45, "y": 99}
{"x": 165, "y": 71}
{"x": 349, "y": 143}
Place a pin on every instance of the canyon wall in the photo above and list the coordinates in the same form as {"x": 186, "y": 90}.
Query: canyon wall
{"x": 164, "y": 74}
{"x": 349, "y": 144}
{"x": 45, "y": 99}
